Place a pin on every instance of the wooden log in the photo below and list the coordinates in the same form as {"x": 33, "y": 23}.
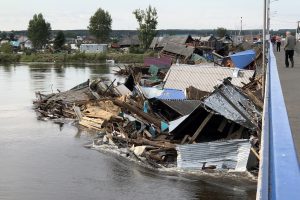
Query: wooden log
{"x": 255, "y": 100}
{"x": 255, "y": 153}
{"x": 138, "y": 112}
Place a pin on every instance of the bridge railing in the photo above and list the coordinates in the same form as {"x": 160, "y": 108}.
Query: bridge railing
{"x": 279, "y": 175}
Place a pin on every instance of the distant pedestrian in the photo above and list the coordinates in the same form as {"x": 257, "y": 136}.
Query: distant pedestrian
{"x": 273, "y": 40}
{"x": 289, "y": 47}
{"x": 278, "y": 43}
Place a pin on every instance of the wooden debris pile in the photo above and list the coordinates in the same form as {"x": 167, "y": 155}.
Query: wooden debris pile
{"x": 159, "y": 129}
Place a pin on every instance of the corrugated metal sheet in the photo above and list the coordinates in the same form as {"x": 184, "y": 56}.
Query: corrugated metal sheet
{"x": 229, "y": 154}
{"x": 234, "y": 105}
{"x": 182, "y": 107}
{"x": 179, "y": 49}
{"x": 203, "y": 76}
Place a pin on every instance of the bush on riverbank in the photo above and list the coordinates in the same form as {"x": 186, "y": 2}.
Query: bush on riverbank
{"x": 9, "y": 58}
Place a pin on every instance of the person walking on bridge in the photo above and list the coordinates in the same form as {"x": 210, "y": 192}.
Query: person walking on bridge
{"x": 278, "y": 43}
{"x": 289, "y": 47}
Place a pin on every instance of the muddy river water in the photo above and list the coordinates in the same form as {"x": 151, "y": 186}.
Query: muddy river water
{"x": 42, "y": 160}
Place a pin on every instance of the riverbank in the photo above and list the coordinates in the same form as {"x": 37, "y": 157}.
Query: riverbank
{"x": 75, "y": 57}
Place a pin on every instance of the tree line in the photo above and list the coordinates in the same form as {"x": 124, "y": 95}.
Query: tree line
{"x": 100, "y": 26}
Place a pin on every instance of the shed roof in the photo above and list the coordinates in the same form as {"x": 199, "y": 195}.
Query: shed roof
{"x": 174, "y": 39}
{"x": 203, "y": 76}
{"x": 207, "y": 38}
{"x": 179, "y": 49}
{"x": 155, "y": 42}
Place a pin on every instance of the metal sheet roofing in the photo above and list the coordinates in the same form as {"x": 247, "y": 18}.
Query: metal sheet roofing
{"x": 233, "y": 105}
{"x": 229, "y": 154}
{"x": 203, "y": 76}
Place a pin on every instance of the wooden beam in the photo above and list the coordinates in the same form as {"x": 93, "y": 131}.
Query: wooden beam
{"x": 198, "y": 131}
{"x": 135, "y": 110}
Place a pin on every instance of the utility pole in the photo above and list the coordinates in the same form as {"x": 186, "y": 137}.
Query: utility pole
{"x": 298, "y": 31}
{"x": 264, "y": 48}
{"x": 268, "y": 18}
{"x": 241, "y": 26}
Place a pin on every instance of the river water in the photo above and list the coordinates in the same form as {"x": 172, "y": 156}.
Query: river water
{"x": 41, "y": 160}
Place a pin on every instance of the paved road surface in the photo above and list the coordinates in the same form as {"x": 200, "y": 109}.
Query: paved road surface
{"x": 290, "y": 82}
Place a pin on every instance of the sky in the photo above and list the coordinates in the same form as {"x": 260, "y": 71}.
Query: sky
{"x": 172, "y": 14}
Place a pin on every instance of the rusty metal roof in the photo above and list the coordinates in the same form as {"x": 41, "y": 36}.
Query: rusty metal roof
{"x": 203, "y": 76}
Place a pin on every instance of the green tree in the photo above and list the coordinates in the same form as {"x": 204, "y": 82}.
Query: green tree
{"x": 3, "y": 35}
{"x": 100, "y": 25}
{"x": 147, "y": 20}
{"x": 6, "y": 48}
{"x": 39, "y": 31}
{"x": 221, "y": 32}
{"x": 59, "y": 40}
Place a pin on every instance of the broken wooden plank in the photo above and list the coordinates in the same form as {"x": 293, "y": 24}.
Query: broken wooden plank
{"x": 147, "y": 117}
{"x": 198, "y": 131}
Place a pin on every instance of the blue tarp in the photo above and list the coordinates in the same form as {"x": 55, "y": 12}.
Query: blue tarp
{"x": 166, "y": 93}
{"x": 169, "y": 94}
{"x": 243, "y": 59}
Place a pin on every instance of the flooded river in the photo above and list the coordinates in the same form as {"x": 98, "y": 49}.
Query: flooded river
{"x": 41, "y": 160}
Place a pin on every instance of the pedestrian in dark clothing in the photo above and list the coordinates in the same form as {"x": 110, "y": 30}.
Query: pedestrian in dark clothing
{"x": 289, "y": 47}
{"x": 278, "y": 43}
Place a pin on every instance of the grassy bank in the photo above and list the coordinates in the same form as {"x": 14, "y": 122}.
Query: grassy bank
{"x": 75, "y": 58}
{"x": 9, "y": 58}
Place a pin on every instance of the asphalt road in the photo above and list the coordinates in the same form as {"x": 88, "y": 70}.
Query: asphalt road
{"x": 290, "y": 83}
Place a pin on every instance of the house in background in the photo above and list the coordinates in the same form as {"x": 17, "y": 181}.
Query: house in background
{"x": 160, "y": 43}
{"x": 93, "y": 48}
{"x": 129, "y": 41}
{"x": 155, "y": 42}
{"x": 25, "y": 43}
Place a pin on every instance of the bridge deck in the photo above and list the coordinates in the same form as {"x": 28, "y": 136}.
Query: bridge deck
{"x": 290, "y": 83}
